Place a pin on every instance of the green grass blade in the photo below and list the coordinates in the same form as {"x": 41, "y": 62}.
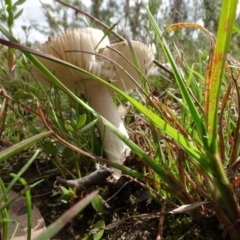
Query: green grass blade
{"x": 216, "y": 67}
{"x": 29, "y": 207}
{"x": 4, "y": 225}
{"x": 11, "y": 151}
{"x": 18, "y": 175}
{"x": 192, "y": 109}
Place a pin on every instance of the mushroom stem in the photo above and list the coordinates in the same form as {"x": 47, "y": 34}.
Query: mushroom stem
{"x": 100, "y": 100}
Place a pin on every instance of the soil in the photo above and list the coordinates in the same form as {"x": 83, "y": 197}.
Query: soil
{"x": 128, "y": 198}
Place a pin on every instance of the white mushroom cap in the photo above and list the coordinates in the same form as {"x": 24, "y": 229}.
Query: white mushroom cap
{"x": 121, "y": 80}
{"x": 86, "y": 39}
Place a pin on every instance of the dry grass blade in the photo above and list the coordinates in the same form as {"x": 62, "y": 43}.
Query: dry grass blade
{"x": 211, "y": 39}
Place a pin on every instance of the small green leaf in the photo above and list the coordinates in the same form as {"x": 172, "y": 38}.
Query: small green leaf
{"x": 60, "y": 146}
{"x": 98, "y": 235}
{"x": 73, "y": 117}
{"x": 88, "y": 126}
{"x": 97, "y": 204}
{"x": 86, "y": 237}
{"x": 18, "y": 14}
{"x": 68, "y": 127}
{"x": 50, "y": 148}
{"x": 19, "y": 2}
{"x": 81, "y": 121}
{"x": 64, "y": 191}
{"x": 67, "y": 194}
{"x": 19, "y": 64}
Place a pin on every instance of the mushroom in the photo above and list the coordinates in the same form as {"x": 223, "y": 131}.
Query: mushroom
{"x": 98, "y": 94}
{"x": 145, "y": 57}
{"x": 75, "y": 40}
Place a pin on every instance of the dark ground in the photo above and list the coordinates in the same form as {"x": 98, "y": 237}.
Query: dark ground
{"x": 131, "y": 200}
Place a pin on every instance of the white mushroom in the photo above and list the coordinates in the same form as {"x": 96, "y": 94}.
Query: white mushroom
{"x": 98, "y": 95}
{"x": 145, "y": 57}
{"x": 75, "y": 40}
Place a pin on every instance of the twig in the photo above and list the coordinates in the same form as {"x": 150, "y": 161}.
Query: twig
{"x": 161, "y": 221}
{"x": 163, "y": 67}
{"x": 93, "y": 179}
{"x": 179, "y": 210}
{"x": 118, "y": 191}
